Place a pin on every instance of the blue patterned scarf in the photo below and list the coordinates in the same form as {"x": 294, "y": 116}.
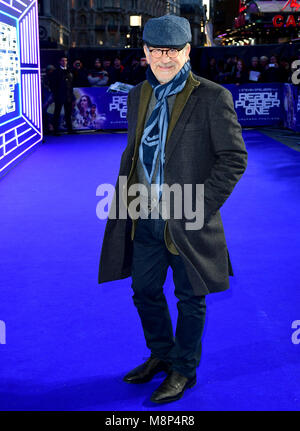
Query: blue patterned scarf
{"x": 155, "y": 131}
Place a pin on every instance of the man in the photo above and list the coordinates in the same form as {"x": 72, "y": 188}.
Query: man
{"x": 79, "y": 75}
{"x": 182, "y": 130}
{"x": 98, "y": 77}
{"x": 116, "y": 74}
{"x": 263, "y": 63}
{"x": 62, "y": 88}
{"x": 254, "y": 71}
{"x": 272, "y": 72}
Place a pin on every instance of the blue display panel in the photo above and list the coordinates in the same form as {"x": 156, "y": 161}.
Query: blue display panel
{"x": 20, "y": 92}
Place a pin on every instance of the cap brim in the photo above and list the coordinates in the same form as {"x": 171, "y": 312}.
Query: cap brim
{"x": 165, "y": 46}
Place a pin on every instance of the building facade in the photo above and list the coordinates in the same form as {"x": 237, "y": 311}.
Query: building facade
{"x": 54, "y": 23}
{"x": 106, "y": 23}
{"x": 194, "y": 11}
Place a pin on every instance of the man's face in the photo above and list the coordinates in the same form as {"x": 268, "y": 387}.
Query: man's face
{"x": 117, "y": 63}
{"x": 165, "y": 68}
{"x": 273, "y": 59}
{"x": 263, "y": 62}
{"x": 64, "y": 62}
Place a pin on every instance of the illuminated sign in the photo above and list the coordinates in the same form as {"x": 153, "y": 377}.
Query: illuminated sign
{"x": 278, "y": 20}
{"x": 20, "y": 92}
{"x": 292, "y": 4}
{"x": 9, "y": 69}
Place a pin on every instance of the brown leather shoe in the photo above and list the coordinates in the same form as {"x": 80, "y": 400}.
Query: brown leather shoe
{"x": 172, "y": 388}
{"x": 146, "y": 371}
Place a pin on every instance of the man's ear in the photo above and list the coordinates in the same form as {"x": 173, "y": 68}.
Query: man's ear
{"x": 146, "y": 52}
{"x": 188, "y": 50}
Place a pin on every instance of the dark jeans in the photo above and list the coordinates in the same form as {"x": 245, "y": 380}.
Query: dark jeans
{"x": 151, "y": 260}
{"x": 68, "y": 113}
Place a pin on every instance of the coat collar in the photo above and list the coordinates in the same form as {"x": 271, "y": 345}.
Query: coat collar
{"x": 179, "y": 104}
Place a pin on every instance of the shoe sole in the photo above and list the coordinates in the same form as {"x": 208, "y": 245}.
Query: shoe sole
{"x": 177, "y": 397}
{"x": 147, "y": 380}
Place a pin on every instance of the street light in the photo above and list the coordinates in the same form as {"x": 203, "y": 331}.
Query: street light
{"x": 135, "y": 24}
{"x": 135, "y": 21}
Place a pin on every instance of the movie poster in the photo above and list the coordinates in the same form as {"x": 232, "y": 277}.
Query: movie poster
{"x": 94, "y": 109}
{"x": 257, "y": 104}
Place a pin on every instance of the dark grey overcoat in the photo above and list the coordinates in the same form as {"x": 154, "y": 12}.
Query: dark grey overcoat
{"x": 204, "y": 146}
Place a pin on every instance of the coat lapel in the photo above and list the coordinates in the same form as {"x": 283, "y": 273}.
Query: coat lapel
{"x": 177, "y": 111}
{"x": 144, "y": 99}
{"x": 179, "y": 116}
{"x": 145, "y": 96}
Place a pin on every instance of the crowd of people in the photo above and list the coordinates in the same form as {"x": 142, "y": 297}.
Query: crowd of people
{"x": 60, "y": 80}
{"x": 104, "y": 72}
{"x": 234, "y": 70}
{"x": 230, "y": 70}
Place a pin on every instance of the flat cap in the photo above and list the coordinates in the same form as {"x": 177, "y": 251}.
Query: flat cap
{"x": 171, "y": 31}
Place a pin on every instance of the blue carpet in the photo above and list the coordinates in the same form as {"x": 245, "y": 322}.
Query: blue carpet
{"x": 69, "y": 341}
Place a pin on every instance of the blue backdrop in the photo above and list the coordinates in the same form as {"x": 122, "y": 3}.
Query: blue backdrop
{"x": 255, "y": 104}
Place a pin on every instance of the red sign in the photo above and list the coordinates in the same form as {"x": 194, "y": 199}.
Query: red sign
{"x": 292, "y": 3}
{"x": 278, "y": 20}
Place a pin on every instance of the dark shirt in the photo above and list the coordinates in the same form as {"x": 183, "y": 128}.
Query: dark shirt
{"x": 240, "y": 78}
{"x": 80, "y": 78}
{"x": 271, "y": 74}
{"x": 61, "y": 84}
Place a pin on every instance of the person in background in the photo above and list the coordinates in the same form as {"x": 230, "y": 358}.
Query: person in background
{"x": 254, "y": 70}
{"x": 61, "y": 84}
{"x": 109, "y": 69}
{"x": 234, "y": 61}
{"x": 285, "y": 69}
{"x": 79, "y": 75}
{"x": 263, "y": 62}
{"x": 272, "y": 72}
{"x": 47, "y": 97}
{"x": 211, "y": 72}
{"x": 222, "y": 76}
{"x": 98, "y": 77}
{"x": 141, "y": 70}
{"x": 240, "y": 75}
{"x": 130, "y": 71}
{"x": 229, "y": 65}
{"x": 117, "y": 71}
{"x": 136, "y": 72}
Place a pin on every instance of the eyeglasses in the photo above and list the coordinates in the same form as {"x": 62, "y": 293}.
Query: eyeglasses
{"x": 157, "y": 52}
